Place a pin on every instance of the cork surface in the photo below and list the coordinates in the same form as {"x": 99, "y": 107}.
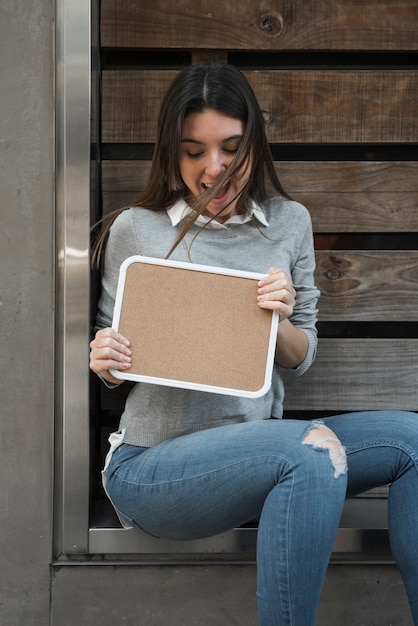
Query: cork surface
{"x": 195, "y": 326}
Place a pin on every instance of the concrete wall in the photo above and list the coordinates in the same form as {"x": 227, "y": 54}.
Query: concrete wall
{"x": 26, "y": 309}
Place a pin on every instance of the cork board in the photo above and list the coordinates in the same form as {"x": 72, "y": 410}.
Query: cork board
{"x": 195, "y": 326}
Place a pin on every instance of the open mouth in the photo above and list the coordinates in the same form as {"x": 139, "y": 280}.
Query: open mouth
{"x": 221, "y": 193}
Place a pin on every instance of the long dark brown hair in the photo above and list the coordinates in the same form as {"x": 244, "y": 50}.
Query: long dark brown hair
{"x": 219, "y": 87}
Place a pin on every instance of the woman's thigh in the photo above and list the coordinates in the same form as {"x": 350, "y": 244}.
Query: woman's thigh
{"x": 378, "y": 445}
{"x": 209, "y": 481}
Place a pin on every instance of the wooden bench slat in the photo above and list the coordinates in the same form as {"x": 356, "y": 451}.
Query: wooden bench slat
{"x": 315, "y": 106}
{"x": 130, "y": 104}
{"x": 299, "y": 176}
{"x": 249, "y": 25}
{"x": 350, "y": 176}
{"x": 347, "y": 375}
{"x": 124, "y": 176}
{"x": 358, "y": 374}
{"x": 368, "y": 285}
{"x": 320, "y": 106}
{"x": 341, "y": 196}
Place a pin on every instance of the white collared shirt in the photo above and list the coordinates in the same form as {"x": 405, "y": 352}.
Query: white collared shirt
{"x": 180, "y": 209}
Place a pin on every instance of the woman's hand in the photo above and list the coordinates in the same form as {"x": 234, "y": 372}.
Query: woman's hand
{"x": 276, "y": 292}
{"x": 109, "y": 350}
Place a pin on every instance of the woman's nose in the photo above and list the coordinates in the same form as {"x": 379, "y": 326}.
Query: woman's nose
{"x": 215, "y": 165}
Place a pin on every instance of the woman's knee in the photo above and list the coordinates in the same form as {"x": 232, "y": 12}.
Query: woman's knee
{"x": 321, "y": 438}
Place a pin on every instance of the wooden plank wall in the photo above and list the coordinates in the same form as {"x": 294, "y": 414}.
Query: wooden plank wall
{"x": 338, "y": 82}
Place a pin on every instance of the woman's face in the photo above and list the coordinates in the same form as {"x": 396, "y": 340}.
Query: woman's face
{"x": 209, "y": 142}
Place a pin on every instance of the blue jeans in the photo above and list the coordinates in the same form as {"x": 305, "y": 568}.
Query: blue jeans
{"x": 208, "y": 482}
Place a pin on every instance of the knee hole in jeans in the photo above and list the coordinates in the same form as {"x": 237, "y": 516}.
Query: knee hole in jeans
{"x": 320, "y": 437}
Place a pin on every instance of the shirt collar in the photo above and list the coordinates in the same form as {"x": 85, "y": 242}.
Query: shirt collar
{"x": 180, "y": 209}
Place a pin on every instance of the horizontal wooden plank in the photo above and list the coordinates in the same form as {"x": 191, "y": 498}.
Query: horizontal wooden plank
{"x": 112, "y": 200}
{"x": 368, "y": 286}
{"x": 358, "y": 374}
{"x": 335, "y": 177}
{"x": 347, "y": 375}
{"x": 124, "y": 176}
{"x": 341, "y": 196}
{"x": 316, "y": 106}
{"x": 326, "y": 177}
{"x": 338, "y": 106}
{"x": 249, "y": 24}
{"x": 356, "y": 196}
{"x": 130, "y": 104}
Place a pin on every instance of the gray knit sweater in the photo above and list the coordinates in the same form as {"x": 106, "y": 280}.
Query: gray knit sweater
{"x": 154, "y": 413}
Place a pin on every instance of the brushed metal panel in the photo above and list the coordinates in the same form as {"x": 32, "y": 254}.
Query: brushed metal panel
{"x": 73, "y": 41}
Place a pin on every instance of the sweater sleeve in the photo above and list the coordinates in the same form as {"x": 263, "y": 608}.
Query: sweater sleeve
{"x": 120, "y": 245}
{"x": 305, "y": 312}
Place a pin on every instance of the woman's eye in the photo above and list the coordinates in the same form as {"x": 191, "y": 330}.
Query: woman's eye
{"x": 231, "y": 150}
{"x": 194, "y": 155}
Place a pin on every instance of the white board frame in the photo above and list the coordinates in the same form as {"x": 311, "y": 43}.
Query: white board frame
{"x": 187, "y": 384}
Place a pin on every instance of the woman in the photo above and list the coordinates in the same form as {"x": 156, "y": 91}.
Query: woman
{"x": 188, "y": 464}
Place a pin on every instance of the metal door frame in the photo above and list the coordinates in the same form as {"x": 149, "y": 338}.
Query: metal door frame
{"x": 73, "y": 112}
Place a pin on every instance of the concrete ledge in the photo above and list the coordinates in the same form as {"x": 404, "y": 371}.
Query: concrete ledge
{"x": 196, "y": 595}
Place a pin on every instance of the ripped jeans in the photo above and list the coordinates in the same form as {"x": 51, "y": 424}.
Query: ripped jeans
{"x": 291, "y": 475}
